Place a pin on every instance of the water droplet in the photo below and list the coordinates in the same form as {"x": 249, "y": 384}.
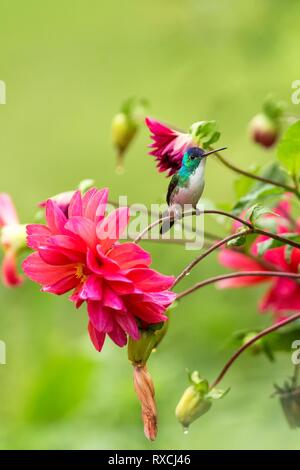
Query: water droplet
{"x": 120, "y": 170}
{"x": 185, "y": 430}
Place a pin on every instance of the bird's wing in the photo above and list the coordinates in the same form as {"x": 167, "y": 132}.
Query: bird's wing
{"x": 172, "y": 186}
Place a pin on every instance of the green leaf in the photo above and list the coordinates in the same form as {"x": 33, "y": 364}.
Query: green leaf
{"x": 289, "y": 149}
{"x": 239, "y": 241}
{"x": 255, "y": 212}
{"x": 216, "y": 394}
{"x": 261, "y": 194}
{"x": 259, "y": 191}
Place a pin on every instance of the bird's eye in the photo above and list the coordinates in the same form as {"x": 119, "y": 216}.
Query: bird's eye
{"x": 193, "y": 157}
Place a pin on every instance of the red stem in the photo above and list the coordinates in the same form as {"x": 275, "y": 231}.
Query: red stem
{"x": 249, "y": 343}
{"x": 212, "y": 280}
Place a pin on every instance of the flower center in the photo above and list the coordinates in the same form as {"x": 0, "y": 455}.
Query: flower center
{"x": 79, "y": 272}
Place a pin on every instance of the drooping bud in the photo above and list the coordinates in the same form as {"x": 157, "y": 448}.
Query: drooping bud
{"x": 124, "y": 127}
{"x": 289, "y": 396}
{"x": 196, "y": 400}
{"x": 138, "y": 353}
{"x": 144, "y": 388}
{"x": 265, "y": 127}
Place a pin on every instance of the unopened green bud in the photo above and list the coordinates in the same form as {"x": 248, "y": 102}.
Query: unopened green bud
{"x": 123, "y": 130}
{"x": 191, "y": 406}
{"x": 196, "y": 400}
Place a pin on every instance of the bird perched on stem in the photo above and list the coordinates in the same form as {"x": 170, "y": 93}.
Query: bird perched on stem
{"x": 187, "y": 185}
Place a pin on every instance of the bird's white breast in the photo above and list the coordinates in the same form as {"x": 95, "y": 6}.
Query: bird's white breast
{"x": 193, "y": 191}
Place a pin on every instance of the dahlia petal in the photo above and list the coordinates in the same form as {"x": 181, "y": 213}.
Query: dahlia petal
{"x": 9, "y": 273}
{"x": 240, "y": 261}
{"x": 8, "y": 213}
{"x": 149, "y": 280}
{"x": 295, "y": 260}
{"x": 241, "y": 281}
{"x": 84, "y": 228}
{"x": 111, "y": 228}
{"x": 39, "y": 271}
{"x": 165, "y": 298}
{"x": 52, "y": 256}
{"x": 55, "y": 217}
{"x": 276, "y": 256}
{"x": 111, "y": 299}
{"x": 118, "y": 335}
{"x": 95, "y": 202}
{"x": 75, "y": 206}
{"x": 62, "y": 286}
{"x": 129, "y": 255}
{"x": 67, "y": 242}
{"x": 92, "y": 289}
{"x": 129, "y": 325}
{"x": 283, "y": 296}
{"x": 150, "y": 312}
{"x": 100, "y": 264}
{"x": 100, "y": 316}
{"x": 37, "y": 234}
{"x": 96, "y": 337}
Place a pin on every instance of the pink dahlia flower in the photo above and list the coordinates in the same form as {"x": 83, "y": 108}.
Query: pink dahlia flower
{"x": 80, "y": 252}
{"x": 169, "y": 145}
{"x": 12, "y": 240}
{"x": 283, "y": 295}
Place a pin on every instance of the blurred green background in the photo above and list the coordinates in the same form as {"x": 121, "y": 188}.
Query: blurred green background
{"x": 68, "y": 65}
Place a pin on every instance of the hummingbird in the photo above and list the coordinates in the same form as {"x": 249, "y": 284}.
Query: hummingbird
{"x": 187, "y": 185}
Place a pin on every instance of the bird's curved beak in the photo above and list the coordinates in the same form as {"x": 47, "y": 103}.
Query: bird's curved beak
{"x": 214, "y": 151}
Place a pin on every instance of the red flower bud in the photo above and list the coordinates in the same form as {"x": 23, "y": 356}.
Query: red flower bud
{"x": 264, "y": 130}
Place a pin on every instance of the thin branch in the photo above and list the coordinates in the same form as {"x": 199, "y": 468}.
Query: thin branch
{"x": 214, "y": 247}
{"x": 222, "y": 277}
{"x": 225, "y": 214}
{"x": 232, "y": 167}
{"x": 249, "y": 343}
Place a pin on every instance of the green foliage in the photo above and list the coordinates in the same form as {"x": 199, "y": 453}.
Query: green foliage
{"x": 289, "y": 149}
{"x": 259, "y": 192}
{"x": 205, "y": 133}
{"x": 59, "y": 388}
